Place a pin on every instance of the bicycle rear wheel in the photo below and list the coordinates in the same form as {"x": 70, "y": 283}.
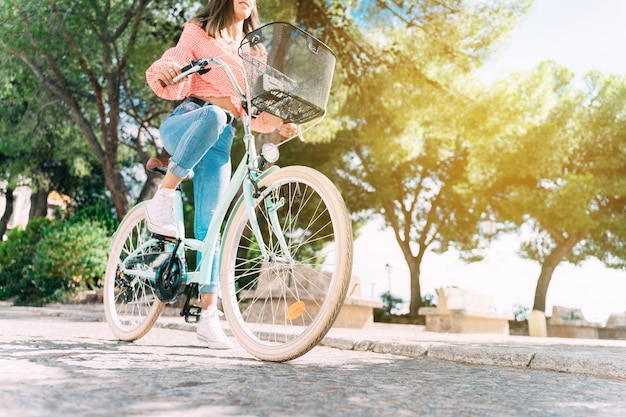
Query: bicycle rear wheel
{"x": 280, "y": 306}
{"x": 131, "y": 306}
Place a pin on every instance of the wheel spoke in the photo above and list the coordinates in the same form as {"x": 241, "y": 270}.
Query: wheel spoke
{"x": 280, "y": 307}
{"x": 131, "y": 305}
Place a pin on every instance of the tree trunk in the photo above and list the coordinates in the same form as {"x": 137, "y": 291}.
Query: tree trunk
{"x": 153, "y": 179}
{"x": 117, "y": 186}
{"x": 548, "y": 267}
{"x": 415, "y": 270}
{"x": 8, "y": 211}
{"x": 414, "y": 262}
{"x": 38, "y": 204}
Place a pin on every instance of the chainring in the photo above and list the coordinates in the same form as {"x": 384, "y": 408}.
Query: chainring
{"x": 168, "y": 287}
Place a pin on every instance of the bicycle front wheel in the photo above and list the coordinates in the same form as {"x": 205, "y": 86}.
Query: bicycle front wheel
{"x": 282, "y": 292}
{"x": 131, "y": 306}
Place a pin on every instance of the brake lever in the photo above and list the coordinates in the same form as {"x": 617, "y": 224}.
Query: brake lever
{"x": 196, "y": 66}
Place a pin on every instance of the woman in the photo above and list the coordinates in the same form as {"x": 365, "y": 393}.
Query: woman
{"x": 199, "y": 132}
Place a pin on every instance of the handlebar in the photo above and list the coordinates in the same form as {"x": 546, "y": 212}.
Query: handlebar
{"x": 201, "y": 66}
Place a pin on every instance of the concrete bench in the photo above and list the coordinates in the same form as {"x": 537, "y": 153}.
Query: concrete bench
{"x": 356, "y": 312}
{"x": 462, "y": 311}
{"x": 571, "y": 323}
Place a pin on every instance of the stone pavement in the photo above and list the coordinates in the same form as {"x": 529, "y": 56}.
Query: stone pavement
{"x": 599, "y": 358}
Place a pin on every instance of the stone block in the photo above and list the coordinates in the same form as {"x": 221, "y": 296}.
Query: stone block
{"x": 464, "y": 311}
{"x": 571, "y": 323}
{"x": 537, "y": 325}
{"x": 616, "y": 321}
{"x": 615, "y": 328}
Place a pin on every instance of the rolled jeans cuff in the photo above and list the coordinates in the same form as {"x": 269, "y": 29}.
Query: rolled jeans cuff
{"x": 178, "y": 171}
{"x": 208, "y": 288}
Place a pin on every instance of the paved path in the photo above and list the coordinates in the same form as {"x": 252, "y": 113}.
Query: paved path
{"x": 60, "y": 363}
{"x": 602, "y": 358}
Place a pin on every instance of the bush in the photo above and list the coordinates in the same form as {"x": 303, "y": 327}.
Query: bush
{"x": 49, "y": 262}
{"x": 100, "y": 213}
{"x": 16, "y": 259}
{"x": 72, "y": 256}
{"x": 389, "y": 303}
{"x": 520, "y": 312}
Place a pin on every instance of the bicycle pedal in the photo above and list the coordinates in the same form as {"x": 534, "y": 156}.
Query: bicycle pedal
{"x": 192, "y": 314}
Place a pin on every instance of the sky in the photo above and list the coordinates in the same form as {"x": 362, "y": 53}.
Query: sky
{"x": 583, "y": 35}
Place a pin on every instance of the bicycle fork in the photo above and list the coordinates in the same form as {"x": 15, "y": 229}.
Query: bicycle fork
{"x": 273, "y": 204}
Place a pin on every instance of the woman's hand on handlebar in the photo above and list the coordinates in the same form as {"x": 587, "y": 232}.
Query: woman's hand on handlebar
{"x": 166, "y": 75}
{"x": 288, "y": 130}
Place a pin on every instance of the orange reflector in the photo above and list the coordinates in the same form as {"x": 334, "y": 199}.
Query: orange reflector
{"x": 295, "y": 310}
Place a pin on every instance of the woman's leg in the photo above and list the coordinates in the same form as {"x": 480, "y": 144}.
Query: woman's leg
{"x": 210, "y": 180}
{"x": 211, "y": 176}
{"x": 187, "y": 134}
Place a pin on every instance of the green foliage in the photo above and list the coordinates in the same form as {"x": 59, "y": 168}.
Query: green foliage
{"x": 16, "y": 260}
{"x": 553, "y": 159}
{"x": 36, "y": 144}
{"x": 101, "y": 213}
{"x": 390, "y": 302}
{"x": 42, "y": 144}
{"x": 48, "y": 262}
{"x": 72, "y": 256}
{"x": 429, "y": 300}
{"x": 91, "y": 57}
{"x": 520, "y": 312}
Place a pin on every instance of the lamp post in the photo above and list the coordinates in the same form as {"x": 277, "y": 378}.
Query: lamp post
{"x": 388, "y": 268}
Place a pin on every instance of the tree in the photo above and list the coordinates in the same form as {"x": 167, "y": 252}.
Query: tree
{"x": 407, "y": 124}
{"x": 39, "y": 149}
{"x": 7, "y": 191}
{"x": 85, "y": 54}
{"x": 558, "y": 171}
{"x": 92, "y": 58}
{"x": 12, "y": 166}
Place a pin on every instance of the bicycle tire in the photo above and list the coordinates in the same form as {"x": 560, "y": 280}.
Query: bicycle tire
{"x": 131, "y": 306}
{"x": 280, "y": 309}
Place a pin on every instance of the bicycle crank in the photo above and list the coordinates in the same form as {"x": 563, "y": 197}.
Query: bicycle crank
{"x": 169, "y": 284}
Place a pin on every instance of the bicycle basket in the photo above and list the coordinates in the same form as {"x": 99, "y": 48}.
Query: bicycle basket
{"x": 288, "y": 72}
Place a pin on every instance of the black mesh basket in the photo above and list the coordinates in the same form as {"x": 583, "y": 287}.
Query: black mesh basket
{"x": 288, "y": 72}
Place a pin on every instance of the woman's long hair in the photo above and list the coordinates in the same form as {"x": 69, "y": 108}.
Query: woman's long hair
{"x": 220, "y": 13}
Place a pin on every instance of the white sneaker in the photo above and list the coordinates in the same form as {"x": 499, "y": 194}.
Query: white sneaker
{"x": 210, "y": 330}
{"x": 160, "y": 213}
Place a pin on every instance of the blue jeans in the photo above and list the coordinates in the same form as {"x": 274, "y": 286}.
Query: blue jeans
{"x": 199, "y": 139}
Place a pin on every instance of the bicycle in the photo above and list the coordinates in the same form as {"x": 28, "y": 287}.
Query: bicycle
{"x": 285, "y": 249}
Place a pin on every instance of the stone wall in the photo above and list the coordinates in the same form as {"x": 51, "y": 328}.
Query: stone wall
{"x": 463, "y": 311}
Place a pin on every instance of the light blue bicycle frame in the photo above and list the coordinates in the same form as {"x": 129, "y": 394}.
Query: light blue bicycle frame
{"x": 246, "y": 175}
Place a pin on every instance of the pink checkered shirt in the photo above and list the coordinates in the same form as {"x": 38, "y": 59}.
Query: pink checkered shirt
{"x": 195, "y": 43}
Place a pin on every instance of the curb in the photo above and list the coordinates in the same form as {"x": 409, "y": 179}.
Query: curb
{"x": 600, "y": 362}
{"x": 559, "y": 356}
